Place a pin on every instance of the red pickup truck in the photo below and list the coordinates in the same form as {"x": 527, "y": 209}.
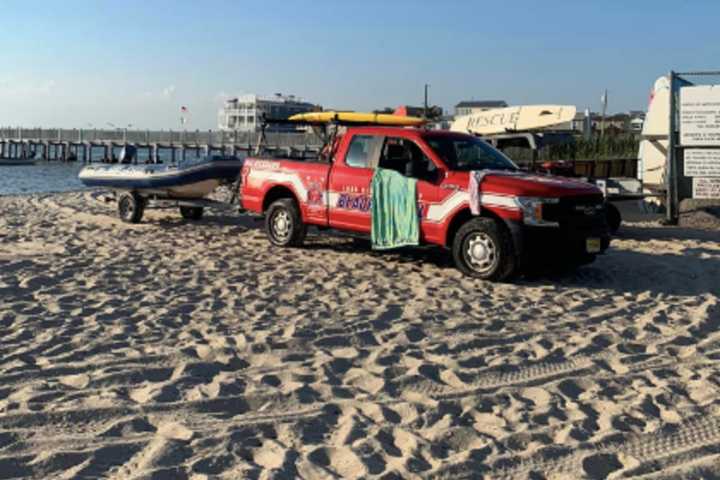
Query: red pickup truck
{"x": 521, "y": 215}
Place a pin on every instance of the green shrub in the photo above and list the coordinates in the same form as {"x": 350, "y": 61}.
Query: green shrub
{"x": 595, "y": 148}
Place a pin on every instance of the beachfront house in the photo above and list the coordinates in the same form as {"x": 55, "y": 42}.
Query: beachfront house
{"x": 244, "y": 113}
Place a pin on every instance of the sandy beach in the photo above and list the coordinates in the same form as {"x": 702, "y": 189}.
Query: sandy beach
{"x": 171, "y": 349}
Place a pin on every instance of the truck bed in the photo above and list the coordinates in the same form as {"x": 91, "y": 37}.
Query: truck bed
{"x": 306, "y": 179}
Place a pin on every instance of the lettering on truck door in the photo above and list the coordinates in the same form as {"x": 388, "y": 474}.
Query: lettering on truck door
{"x": 349, "y": 188}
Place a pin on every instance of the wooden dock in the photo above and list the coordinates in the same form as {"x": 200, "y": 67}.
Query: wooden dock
{"x": 152, "y": 146}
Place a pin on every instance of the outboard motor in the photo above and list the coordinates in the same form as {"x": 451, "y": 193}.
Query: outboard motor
{"x": 128, "y": 154}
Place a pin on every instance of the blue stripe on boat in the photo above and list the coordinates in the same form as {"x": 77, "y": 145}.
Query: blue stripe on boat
{"x": 157, "y": 176}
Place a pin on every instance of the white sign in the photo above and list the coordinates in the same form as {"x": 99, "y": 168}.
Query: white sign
{"x": 700, "y": 115}
{"x": 706, "y": 188}
{"x": 702, "y": 162}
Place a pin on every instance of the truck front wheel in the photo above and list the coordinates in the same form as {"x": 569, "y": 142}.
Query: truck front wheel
{"x": 284, "y": 225}
{"x": 483, "y": 249}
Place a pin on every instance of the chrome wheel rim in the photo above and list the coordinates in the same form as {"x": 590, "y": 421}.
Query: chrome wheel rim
{"x": 281, "y": 225}
{"x": 481, "y": 252}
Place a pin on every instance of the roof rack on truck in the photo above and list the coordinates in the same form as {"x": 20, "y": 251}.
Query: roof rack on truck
{"x": 326, "y": 125}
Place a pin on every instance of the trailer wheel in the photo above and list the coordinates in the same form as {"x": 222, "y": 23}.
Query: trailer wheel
{"x": 191, "y": 213}
{"x": 613, "y": 217}
{"x": 483, "y": 249}
{"x": 131, "y": 207}
{"x": 283, "y": 224}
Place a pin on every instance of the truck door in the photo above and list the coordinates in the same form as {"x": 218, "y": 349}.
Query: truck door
{"x": 407, "y": 157}
{"x": 349, "y": 186}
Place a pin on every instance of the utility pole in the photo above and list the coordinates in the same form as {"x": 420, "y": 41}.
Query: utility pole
{"x": 587, "y": 125}
{"x": 425, "y": 105}
{"x": 604, "y": 111}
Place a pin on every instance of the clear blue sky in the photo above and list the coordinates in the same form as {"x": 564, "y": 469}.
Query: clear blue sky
{"x": 73, "y": 63}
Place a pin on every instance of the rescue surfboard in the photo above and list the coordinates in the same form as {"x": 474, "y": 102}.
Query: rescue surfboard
{"x": 359, "y": 117}
{"x": 514, "y": 119}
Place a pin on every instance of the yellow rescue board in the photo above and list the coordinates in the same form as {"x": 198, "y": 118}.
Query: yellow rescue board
{"x": 514, "y": 119}
{"x": 358, "y": 117}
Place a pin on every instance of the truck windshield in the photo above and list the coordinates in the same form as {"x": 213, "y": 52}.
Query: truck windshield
{"x": 469, "y": 153}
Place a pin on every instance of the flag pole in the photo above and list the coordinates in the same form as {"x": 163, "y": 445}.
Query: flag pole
{"x": 183, "y": 121}
{"x": 604, "y": 111}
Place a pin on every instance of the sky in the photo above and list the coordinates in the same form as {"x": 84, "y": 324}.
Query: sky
{"x": 97, "y": 63}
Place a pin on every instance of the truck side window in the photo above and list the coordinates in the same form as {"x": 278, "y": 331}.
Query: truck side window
{"x": 363, "y": 151}
{"x": 405, "y": 157}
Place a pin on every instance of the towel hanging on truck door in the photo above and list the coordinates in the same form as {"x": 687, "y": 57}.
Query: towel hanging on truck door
{"x": 395, "y": 221}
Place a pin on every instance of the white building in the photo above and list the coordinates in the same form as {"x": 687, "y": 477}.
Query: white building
{"x": 636, "y": 124}
{"x": 246, "y": 112}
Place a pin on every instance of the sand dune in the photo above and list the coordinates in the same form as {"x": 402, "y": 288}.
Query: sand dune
{"x": 195, "y": 350}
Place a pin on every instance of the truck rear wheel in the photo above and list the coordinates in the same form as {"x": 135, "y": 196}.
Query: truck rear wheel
{"x": 284, "y": 225}
{"x": 483, "y": 249}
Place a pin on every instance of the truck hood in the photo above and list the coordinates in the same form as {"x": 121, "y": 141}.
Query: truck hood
{"x": 526, "y": 184}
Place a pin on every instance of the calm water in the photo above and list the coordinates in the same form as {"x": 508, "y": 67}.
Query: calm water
{"x": 40, "y": 178}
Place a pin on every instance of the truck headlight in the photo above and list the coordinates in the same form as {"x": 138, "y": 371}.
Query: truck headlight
{"x": 532, "y": 208}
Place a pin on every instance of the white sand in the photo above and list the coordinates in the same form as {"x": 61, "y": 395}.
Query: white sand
{"x": 180, "y": 350}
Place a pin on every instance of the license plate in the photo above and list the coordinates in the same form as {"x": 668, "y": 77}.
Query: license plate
{"x": 592, "y": 245}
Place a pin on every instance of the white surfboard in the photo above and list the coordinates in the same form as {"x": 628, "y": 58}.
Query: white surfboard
{"x": 652, "y": 154}
{"x": 514, "y": 119}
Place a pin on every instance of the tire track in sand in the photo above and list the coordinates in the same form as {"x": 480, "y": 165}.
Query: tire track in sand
{"x": 643, "y": 454}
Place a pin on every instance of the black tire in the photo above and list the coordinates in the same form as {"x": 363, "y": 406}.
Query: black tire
{"x": 613, "y": 217}
{"x": 283, "y": 224}
{"x": 131, "y": 207}
{"x": 494, "y": 256}
{"x": 191, "y": 213}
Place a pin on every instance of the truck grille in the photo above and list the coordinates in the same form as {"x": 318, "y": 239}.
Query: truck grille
{"x": 582, "y": 210}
